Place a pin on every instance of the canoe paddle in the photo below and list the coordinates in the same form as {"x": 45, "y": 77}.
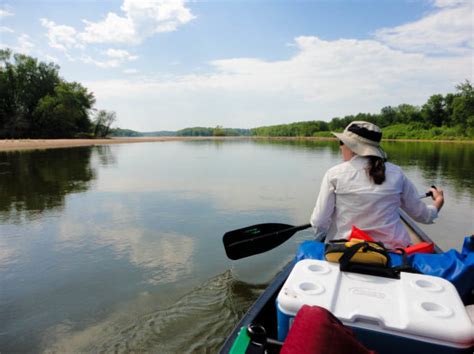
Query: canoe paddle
{"x": 261, "y": 238}
{"x": 257, "y": 239}
{"x": 428, "y": 194}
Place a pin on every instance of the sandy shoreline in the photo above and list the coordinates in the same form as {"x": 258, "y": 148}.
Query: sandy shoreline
{"x": 33, "y": 144}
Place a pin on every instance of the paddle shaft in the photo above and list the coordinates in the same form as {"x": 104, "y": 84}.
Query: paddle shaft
{"x": 256, "y": 239}
{"x": 291, "y": 231}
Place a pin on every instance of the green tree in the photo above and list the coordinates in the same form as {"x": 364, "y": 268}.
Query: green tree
{"x": 36, "y": 102}
{"x": 218, "y": 131}
{"x": 336, "y": 124}
{"x": 23, "y": 81}
{"x": 102, "y": 122}
{"x": 388, "y": 116}
{"x": 66, "y": 113}
{"x": 8, "y": 99}
{"x": 448, "y": 101}
{"x": 463, "y": 106}
{"x": 407, "y": 114}
{"x": 434, "y": 111}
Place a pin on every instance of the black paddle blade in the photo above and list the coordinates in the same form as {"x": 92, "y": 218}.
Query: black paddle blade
{"x": 257, "y": 239}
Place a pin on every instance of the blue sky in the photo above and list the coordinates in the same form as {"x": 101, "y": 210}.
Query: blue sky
{"x": 167, "y": 65}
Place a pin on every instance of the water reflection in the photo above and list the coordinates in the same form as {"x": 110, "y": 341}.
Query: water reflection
{"x": 35, "y": 181}
{"x": 449, "y": 162}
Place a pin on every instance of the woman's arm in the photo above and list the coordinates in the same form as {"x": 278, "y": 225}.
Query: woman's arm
{"x": 415, "y": 207}
{"x": 438, "y": 198}
{"x": 321, "y": 217}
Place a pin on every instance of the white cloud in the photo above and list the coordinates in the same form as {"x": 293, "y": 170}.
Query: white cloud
{"x": 51, "y": 58}
{"x": 404, "y": 64}
{"x": 6, "y": 29}
{"x": 5, "y": 13}
{"x": 449, "y": 30}
{"x": 105, "y": 64}
{"x": 141, "y": 19}
{"x": 20, "y": 44}
{"x": 449, "y": 3}
{"x": 130, "y": 71}
{"x": 323, "y": 80}
{"x": 24, "y": 44}
{"x": 157, "y": 16}
{"x": 121, "y": 54}
{"x": 117, "y": 58}
{"x": 113, "y": 29}
{"x": 60, "y": 37}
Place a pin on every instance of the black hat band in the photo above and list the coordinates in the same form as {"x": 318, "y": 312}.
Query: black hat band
{"x": 365, "y": 133}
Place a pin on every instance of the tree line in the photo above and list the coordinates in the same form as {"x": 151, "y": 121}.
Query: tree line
{"x": 217, "y": 131}
{"x": 442, "y": 117}
{"x": 35, "y": 102}
{"x": 450, "y": 116}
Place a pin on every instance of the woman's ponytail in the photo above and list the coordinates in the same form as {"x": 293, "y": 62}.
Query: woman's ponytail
{"x": 376, "y": 169}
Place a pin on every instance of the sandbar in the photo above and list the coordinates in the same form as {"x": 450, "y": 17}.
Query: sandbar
{"x": 34, "y": 144}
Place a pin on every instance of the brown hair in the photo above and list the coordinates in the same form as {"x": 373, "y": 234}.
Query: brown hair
{"x": 376, "y": 169}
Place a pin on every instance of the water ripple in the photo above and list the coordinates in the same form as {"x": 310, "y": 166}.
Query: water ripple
{"x": 197, "y": 323}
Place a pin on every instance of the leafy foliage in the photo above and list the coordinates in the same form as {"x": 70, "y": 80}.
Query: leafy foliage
{"x": 35, "y": 102}
{"x": 217, "y": 131}
{"x": 441, "y": 117}
{"x": 124, "y": 132}
{"x": 293, "y": 129}
{"x": 102, "y": 122}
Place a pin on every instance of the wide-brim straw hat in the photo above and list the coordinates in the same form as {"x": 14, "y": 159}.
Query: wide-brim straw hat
{"x": 363, "y": 138}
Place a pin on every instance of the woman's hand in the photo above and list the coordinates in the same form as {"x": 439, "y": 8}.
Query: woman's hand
{"x": 438, "y": 197}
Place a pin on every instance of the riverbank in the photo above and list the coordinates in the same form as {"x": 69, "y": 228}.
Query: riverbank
{"x": 35, "y": 144}
{"x": 310, "y": 138}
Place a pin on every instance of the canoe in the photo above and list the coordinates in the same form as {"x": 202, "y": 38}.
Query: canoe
{"x": 263, "y": 311}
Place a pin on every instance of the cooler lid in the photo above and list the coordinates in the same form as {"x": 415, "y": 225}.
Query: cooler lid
{"x": 416, "y": 305}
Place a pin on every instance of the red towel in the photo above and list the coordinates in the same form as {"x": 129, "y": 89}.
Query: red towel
{"x": 315, "y": 330}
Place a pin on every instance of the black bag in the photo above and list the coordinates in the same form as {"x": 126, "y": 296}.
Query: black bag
{"x": 365, "y": 257}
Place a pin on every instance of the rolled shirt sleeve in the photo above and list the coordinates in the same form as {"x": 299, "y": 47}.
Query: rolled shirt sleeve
{"x": 321, "y": 217}
{"x": 414, "y": 206}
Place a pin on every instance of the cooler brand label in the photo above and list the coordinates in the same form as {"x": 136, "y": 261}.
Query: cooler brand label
{"x": 368, "y": 292}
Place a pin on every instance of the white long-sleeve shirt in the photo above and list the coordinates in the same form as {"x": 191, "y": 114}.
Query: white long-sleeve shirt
{"x": 348, "y": 196}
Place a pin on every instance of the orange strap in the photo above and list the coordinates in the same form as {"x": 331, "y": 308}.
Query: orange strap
{"x": 422, "y": 247}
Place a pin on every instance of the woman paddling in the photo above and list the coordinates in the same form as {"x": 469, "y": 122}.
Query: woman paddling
{"x": 365, "y": 191}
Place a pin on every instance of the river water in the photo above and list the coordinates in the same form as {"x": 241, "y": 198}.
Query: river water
{"x": 118, "y": 248}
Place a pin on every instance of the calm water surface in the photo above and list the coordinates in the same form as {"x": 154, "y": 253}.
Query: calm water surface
{"x": 118, "y": 248}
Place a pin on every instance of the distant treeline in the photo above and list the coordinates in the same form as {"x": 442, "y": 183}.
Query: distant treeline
{"x": 196, "y": 131}
{"x": 35, "y": 102}
{"x": 118, "y": 132}
{"x": 217, "y": 131}
{"x": 441, "y": 117}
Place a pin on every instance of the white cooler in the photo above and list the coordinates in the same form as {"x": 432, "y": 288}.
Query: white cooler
{"x": 414, "y": 314}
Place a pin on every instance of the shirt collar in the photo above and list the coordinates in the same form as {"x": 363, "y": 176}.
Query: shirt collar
{"x": 359, "y": 160}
